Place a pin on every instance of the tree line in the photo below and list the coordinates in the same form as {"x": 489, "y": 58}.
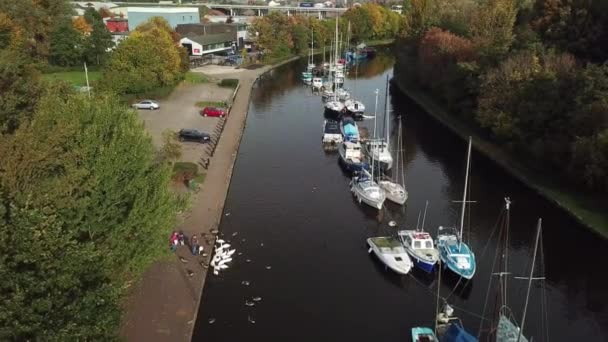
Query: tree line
{"x": 530, "y": 75}
{"x": 85, "y": 199}
{"x": 281, "y": 35}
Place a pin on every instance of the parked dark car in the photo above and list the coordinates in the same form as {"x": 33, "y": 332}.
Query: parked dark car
{"x": 213, "y": 111}
{"x": 193, "y": 135}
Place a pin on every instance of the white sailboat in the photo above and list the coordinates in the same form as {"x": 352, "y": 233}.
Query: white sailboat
{"x": 364, "y": 187}
{"x": 379, "y": 149}
{"x": 311, "y": 64}
{"x": 395, "y": 189}
{"x": 334, "y": 106}
{"x": 391, "y": 252}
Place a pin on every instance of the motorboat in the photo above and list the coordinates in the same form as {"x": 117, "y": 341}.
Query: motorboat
{"x": 342, "y": 94}
{"x": 339, "y": 80}
{"x": 334, "y": 107}
{"x": 419, "y": 245}
{"x": 351, "y": 157}
{"x": 307, "y": 77}
{"x": 395, "y": 192}
{"x": 317, "y": 82}
{"x": 377, "y": 149}
{"x": 423, "y": 334}
{"x": 354, "y": 108}
{"x": 455, "y": 254}
{"x": 390, "y": 251}
{"x": 331, "y": 132}
{"x": 349, "y": 129}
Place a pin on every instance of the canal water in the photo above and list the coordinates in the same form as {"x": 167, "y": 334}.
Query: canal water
{"x": 300, "y": 235}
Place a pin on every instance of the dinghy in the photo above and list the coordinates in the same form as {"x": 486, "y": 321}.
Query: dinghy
{"x": 423, "y": 334}
{"x": 391, "y": 252}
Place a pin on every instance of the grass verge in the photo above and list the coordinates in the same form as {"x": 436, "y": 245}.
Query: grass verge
{"x": 229, "y": 83}
{"x": 584, "y": 208}
{"x": 203, "y": 104}
{"x": 75, "y": 78}
{"x": 183, "y": 172}
{"x": 196, "y": 77}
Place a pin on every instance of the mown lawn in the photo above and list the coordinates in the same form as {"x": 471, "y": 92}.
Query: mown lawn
{"x": 76, "y": 78}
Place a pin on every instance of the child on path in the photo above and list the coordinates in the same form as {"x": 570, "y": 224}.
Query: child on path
{"x": 173, "y": 241}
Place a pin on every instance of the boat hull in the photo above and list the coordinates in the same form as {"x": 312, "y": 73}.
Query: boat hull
{"x": 452, "y": 258}
{"x": 363, "y": 197}
{"x": 426, "y": 266}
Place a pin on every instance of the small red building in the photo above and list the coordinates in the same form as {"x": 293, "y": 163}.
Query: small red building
{"x": 117, "y": 25}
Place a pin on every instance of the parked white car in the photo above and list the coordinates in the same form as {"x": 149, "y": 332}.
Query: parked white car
{"x": 146, "y": 104}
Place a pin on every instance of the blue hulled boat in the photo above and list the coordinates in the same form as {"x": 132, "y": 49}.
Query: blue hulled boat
{"x": 455, "y": 254}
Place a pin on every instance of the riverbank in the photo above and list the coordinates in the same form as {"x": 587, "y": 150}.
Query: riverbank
{"x": 164, "y": 304}
{"x": 585, "y": 210}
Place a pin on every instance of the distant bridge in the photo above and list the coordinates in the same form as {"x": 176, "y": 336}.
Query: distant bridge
{"x": 259, "y": 10}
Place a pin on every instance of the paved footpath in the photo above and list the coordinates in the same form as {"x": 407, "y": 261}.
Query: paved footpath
{"x": 163, "y": 305}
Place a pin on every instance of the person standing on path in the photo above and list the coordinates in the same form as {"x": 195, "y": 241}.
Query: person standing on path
{"x": 194, "y": 245}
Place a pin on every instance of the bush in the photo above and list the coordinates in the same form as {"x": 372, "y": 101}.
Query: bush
{"x": 184, "y": 171}
{"x": 229, "y": 83}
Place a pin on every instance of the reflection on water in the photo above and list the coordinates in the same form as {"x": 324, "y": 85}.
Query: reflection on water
{"x": 290, "y": 205}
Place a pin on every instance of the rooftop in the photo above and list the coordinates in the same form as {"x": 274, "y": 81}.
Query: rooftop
{"x": 211, "y": 38}
{"x": 162, "y": 10}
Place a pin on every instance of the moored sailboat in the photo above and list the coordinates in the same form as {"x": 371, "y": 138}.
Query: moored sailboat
{"x": 395, "y": 190}
{"x": 364, "y": 186}
{"x": 455, "y": 254}
{"x": 379, "y": 149}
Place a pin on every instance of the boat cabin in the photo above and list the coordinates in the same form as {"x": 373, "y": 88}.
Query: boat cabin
{"x": 420, "y": 240}
{"x": 352, "y": 151}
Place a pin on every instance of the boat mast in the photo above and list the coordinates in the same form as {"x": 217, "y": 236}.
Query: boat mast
{"x": 426, "y": 205}
{"x": 523, "y": 317}
{"x": 464, "y": 193}
{"x": 312, "y": 46}
{"x": 386, "y": 115}
{"x": 375, "y": 115}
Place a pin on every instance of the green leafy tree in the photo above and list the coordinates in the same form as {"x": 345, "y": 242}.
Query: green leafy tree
{"x": 579, "y": 27}
{"x": 37, "y": 20}
{"x": 20, "y": 83}
{"x": 171, "y": 149}
{"x": 148, "y": 59}
{"x": 99, "y": 41}
{"x": 83, "y": 207}
{"x": 492, "y": 28}
{"x": 66, "y": 45}
{"x": 301, "y": 39}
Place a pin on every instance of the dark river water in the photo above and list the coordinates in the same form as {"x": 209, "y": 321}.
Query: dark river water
{"x": 289, "y": 204}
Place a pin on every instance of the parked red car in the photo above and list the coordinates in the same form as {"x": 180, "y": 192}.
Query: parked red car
{"x": 212, "y": 111}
